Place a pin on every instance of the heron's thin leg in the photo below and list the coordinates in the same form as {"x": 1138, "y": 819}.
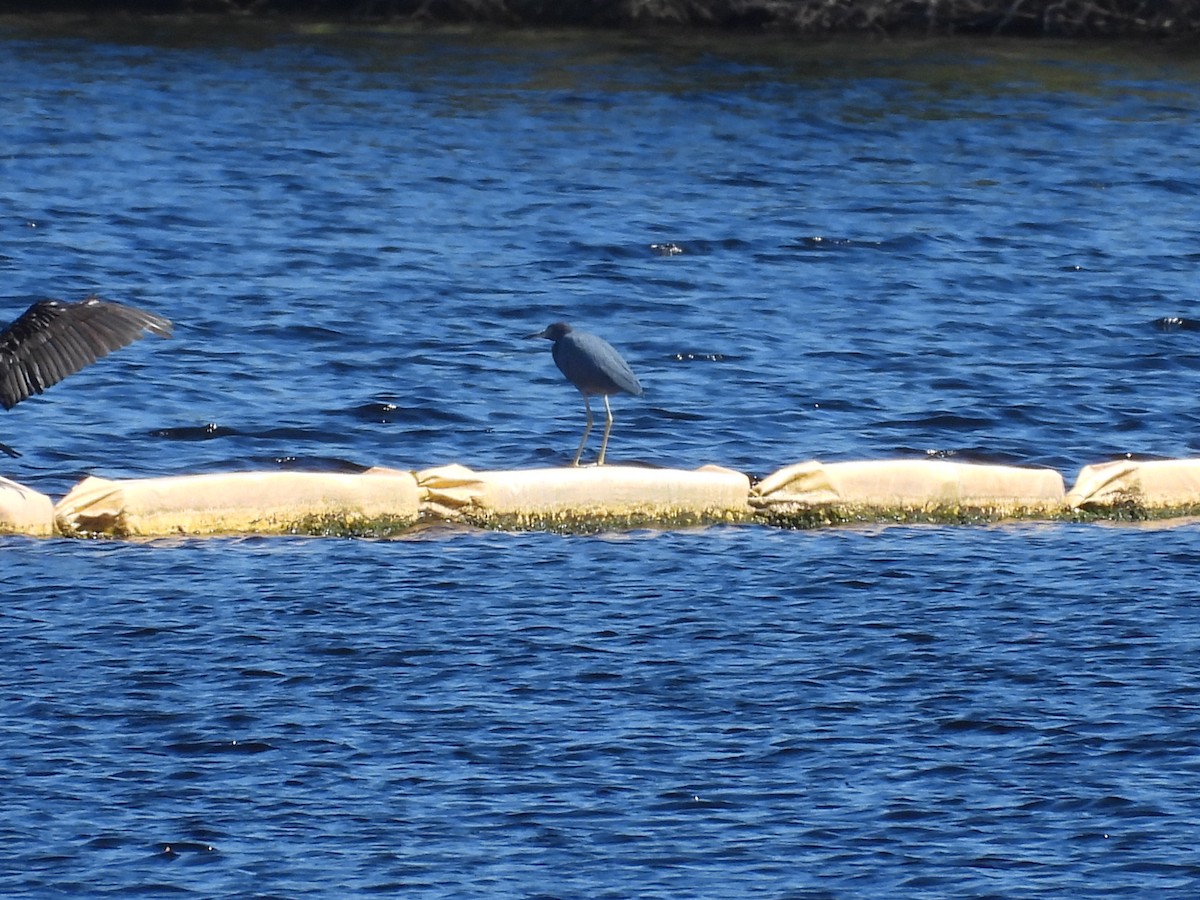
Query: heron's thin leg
{"x": 607, "y": 431}
{"x": 586, "y": 431}
{"x": 9, "y": 450}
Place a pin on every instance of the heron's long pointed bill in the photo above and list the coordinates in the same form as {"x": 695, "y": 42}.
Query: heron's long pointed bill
{"x": 536, "y": 334}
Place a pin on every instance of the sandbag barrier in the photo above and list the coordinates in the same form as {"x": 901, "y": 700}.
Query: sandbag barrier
{"x": 1137, "y": 490}
{"x": 24, "y": 510}
{"x": 378, "y": 500}
{"x": 586, "y": 499}
{"x": 385, "y": 502}
{"x": 813, "y": 494}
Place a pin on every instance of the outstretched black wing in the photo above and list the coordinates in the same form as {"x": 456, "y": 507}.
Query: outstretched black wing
{"x": 53, "y": 339}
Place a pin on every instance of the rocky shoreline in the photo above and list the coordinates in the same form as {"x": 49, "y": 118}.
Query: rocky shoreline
{"x": 1157, "y": 19}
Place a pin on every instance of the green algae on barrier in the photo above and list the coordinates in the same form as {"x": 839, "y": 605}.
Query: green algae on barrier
{"x": 598, "y": 522}
{"x": 1130, "y": 506}
{"x": 348, "y": 526}
{"x": 810, "y": 519}
{"x": 316, "y": 525}
{"x": 834, "y": 515}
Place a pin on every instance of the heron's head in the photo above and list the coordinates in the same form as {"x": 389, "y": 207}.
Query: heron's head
{"x": 552, "y": 332}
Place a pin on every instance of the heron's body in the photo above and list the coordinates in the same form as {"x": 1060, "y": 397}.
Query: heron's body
{"x": 596, "y": 369}
{"x": 53, "y": 339}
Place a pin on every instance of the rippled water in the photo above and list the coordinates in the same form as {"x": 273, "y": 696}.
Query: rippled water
{"x": 887, "y": 250}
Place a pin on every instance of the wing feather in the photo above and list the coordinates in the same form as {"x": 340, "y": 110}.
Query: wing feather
{"x": 53, "y": 339}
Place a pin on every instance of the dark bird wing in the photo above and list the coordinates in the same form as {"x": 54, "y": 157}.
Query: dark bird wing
{"x": 53, "y": 339}
{"x": 593, "y": 365}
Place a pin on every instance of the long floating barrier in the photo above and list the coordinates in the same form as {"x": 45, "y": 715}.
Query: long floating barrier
{"x": 805, "y": 495}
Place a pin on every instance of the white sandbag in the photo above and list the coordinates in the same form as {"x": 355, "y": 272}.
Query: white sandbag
{"x": 24, "y": 510}
{"x": 585, "y": 498}
{"x": 1158, "y": 485}
{"x": 379, "y": 500}
{"x": 882, "y": 489}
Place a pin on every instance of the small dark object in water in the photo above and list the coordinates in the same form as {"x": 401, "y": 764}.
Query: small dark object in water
{"x": 1175, "y": 323}
{"x": 595, "y": 368}
{"x": 53, "y": 339}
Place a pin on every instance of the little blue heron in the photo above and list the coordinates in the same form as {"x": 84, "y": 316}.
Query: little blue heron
{"x": 53, "y": 339}
{"x": 592, "y": 365}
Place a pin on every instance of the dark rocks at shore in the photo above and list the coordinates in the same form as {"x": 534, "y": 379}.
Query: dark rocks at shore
{"x": 1057, "y": 18}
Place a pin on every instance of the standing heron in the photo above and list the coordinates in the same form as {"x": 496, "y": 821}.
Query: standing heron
{"x": 595, "y": 368}
{"x": 53, "y": 339}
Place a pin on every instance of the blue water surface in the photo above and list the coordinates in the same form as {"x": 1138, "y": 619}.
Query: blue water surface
{"x": 833, "y": 251}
